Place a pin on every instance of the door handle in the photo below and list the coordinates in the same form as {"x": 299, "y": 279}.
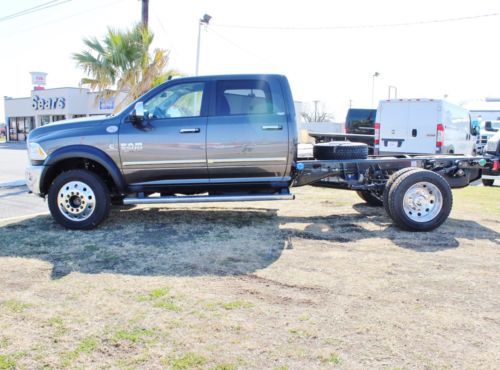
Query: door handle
{"x": 272, "y": 127}
{"x": 189, "y": 130}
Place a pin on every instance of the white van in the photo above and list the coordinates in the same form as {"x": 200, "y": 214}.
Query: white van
{"x": 423, "y": 126}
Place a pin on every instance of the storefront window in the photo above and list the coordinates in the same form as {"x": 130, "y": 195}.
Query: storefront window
{"x": 58, "y": 118}
{"x": 44, "y": 120}
{"x": 20, "y": 127}
{"x": 13, "y": 129}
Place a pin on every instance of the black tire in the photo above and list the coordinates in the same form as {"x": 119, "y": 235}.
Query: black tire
{"x": 432, "y": 205}
{"x": 90, "y": 194}
{"x": 388, "y": 184}
{"x": 487, "y": 182}
{"x": 370, "y": 198}
{"x": 340, "y": 150}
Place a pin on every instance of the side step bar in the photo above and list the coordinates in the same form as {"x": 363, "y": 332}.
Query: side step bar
{"x": 207, "y": 198}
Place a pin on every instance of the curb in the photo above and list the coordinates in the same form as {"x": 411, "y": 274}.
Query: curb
{"x": 13, "y": 184}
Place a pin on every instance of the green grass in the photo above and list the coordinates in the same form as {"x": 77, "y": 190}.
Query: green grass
{"x": 4, "y": 342}
{"x": 57, "y": 324}
{"x": 225, "y": 367}
{"x": 235, "y": 305}
{"x": 7, "y": 362}
{"x": 15, "y": 306}
{"x": 189, "y": 360}
{"x": 478, "y": 198}
{"x": 168, "y": 305}
{"x": 135, "y": 335}
{"x": 154, "y": 294}
{"x": 333, "y": 359}
{"x": 86, "y": 346}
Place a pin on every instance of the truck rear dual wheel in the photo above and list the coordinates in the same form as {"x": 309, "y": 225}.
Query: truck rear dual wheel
{"x": 388, "y": 185}
{"x": 79, "y": 199}
{"x": 340, "y": 150}
{"x": 419, "y": 200}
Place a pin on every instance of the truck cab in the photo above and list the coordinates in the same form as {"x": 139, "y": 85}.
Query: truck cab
{"x": 215, "y": 134}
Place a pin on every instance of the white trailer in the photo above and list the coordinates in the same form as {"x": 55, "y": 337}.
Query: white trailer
{"x": 423, "y": 126}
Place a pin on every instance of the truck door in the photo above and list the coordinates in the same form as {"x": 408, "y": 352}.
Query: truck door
{"x": 171, "y": 146}
{"x": 247, "y": 134}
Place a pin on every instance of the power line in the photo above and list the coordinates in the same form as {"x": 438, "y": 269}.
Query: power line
{"x": 61, "y": 19}
{"x": 34, "y": 9}
{"x": 234, "y": 44}
{"x": 360, "y": 26}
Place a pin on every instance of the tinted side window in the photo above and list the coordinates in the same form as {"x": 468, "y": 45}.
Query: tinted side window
{"x": 247, "y": 97}
{"x": 182, "y": 100}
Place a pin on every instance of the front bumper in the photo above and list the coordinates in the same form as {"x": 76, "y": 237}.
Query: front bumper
{"x": 33, "y": 175}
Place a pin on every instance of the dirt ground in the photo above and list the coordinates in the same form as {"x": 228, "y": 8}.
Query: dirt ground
{"x": 320, "y": 282}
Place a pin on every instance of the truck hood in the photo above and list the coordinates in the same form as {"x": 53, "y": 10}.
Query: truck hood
{"x": 69, "y": 127}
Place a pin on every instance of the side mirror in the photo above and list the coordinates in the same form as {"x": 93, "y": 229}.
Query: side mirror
{"x": 475, "y": 131}
{"x": 139, "y": 109}
{"x": 489, "y": 127}
{"x": 137, "y": 115}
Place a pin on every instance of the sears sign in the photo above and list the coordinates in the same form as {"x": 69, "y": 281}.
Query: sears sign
{"x": 48, "y": 103}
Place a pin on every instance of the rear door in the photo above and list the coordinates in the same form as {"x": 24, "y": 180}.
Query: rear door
{"x": 247, "y": 132}
{"x": 423, "y": 117}
{"x": 408, "y": 127}
{"x": 393, "y": 117}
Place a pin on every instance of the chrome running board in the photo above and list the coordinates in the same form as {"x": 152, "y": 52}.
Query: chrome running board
{"x": 207, "y": 198}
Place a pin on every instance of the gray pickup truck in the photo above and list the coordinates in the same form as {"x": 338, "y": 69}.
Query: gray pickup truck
{"x": 225, "y": 138}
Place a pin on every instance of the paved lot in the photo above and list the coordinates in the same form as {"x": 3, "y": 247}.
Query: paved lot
{"x": 14, "y": 198}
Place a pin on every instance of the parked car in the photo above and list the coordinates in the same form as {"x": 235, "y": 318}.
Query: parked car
{"x": 359, "y": 127}
{"x": 423, "y": 126}
{"x": 486, "y": 130}
{"x": 490, "y": 175}
{"x": 360, "y": 121}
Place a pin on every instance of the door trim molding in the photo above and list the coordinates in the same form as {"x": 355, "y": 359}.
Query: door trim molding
{"x": 239, "y": 160}
{"x": 145, "y": 163}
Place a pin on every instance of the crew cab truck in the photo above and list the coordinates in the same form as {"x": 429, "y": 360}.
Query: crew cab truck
{"x": 223, "y": 138}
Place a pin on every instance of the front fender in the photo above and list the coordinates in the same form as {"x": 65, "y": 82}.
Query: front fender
{"x": 86, "y": 152}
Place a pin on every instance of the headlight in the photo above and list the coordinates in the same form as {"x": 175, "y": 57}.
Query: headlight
{"x": 36, "y": 152}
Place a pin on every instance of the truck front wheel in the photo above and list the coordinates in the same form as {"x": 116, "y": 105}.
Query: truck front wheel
{"x": 79, "y": 199}
{"x": 420, "y": 200}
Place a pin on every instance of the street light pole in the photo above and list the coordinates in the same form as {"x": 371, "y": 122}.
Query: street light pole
{"x": 203, "y": 22}
{"x": 376, "y": 74}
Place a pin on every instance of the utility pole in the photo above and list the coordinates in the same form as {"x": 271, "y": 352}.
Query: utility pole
{"x": 145, "y": 13}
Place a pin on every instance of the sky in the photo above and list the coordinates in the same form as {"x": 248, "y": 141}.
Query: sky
{"x": 317, "y": 44}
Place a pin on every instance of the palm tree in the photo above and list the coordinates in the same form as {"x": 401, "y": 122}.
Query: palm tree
{"x": 122, "y": 62}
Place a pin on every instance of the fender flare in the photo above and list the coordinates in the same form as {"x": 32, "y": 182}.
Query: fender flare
{"x": 87, "y": 152}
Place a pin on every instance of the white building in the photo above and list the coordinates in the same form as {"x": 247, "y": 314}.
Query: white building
{"x": 50, "y": 105}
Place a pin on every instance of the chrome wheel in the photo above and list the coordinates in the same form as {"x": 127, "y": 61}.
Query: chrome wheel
{"x": 422, "y": 202}
{"x": 76, "y": 201}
